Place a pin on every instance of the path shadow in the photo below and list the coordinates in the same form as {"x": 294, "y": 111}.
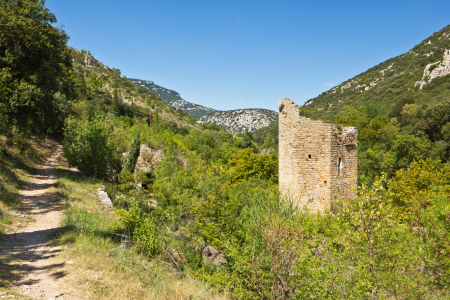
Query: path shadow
{"x": 18, "y": 250}
{"x": 44, "y": 203}
{"x": 27, "y": 242}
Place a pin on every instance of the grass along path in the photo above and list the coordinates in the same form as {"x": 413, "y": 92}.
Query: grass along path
{"x": 63, "y": 250}
{"x": 28, "y": 249}
{"x": 92, "y": 270}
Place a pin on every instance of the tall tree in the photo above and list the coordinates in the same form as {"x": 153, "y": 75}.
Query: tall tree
{"x": 33, "y": 61}
{"x": 116, "y": 106}
{"x": 135, "y": 149}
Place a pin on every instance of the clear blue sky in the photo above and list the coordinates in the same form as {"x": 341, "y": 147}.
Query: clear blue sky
{"x": 247, "y": 53}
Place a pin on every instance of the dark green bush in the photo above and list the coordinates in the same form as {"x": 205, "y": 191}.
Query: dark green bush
{"x": 89, "y": 146}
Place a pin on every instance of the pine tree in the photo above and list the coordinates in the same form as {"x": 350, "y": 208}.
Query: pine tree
{"x": 115, "y": 104}
{"x": 133, "y": 109}
{"x": 133, "y": 155}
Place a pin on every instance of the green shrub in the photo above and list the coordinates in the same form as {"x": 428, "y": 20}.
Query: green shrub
{"x": 89, "y": 146}
{"x": 146, "y": 238}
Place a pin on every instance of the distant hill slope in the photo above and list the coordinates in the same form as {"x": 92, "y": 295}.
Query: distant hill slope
{"x": 420, "y": 76}
{"x": 174, "y": 99}
{"x": 241, "y": 120}
{"x": 94, "y": 80}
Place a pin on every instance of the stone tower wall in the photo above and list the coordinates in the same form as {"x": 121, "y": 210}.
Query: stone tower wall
{"x": 317, "y": 162}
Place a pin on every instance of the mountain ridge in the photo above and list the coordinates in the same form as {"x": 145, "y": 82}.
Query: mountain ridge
{"x": 173, "y": 98}
{"x": 241, "y": 120}
{"x": 419, "y": 76}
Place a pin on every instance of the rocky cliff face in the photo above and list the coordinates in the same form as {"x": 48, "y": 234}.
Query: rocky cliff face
{"x": 241, "y": 120}
{"x": 91, "y": 62}
{"x": 195, "y": 110}
{"x": 174, "y": 99}
{"x": 437, "y": 69}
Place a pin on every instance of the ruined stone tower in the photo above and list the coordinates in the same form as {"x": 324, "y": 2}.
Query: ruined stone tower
{"x": 317, "y": 161}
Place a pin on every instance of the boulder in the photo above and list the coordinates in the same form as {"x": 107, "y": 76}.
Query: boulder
{"x": 215, "y": 255}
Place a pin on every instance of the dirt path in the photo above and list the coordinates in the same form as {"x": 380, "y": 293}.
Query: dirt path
{"x": 32, "y": 252}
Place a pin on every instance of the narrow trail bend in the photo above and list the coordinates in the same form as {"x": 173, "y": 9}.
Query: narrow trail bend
{"x": 32, "y": 252}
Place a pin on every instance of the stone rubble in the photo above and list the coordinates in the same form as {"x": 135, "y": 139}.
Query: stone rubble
{"x": 104, "y": 198}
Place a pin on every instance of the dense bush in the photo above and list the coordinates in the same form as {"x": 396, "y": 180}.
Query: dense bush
{"x": 89, "y": 146}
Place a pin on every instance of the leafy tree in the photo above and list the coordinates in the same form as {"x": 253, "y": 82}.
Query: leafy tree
{"x": 245, "y": 164}
{"x": 445, "y": 132}
{"x": 309, "y": 112}
{"x": 373, "y": 110}
{"x": 33, "y": 59}
{"x": 413, "y": 188}
{"x": 409, "y": 113}
{"x": 267, "y": 137}
{"x": 352, "y": 117}
{"x": 421, "y": 194}
{"x": 439, "y": 151}
{"x": 89, "y": 145}
{"x": 372, "y": 131}
{"x": 408, "y": 148}
{"x": 117, "y": 71}
{"x": 436, "y": 119}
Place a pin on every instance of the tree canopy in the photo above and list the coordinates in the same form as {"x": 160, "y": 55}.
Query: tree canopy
{"x": 33, "y": 61}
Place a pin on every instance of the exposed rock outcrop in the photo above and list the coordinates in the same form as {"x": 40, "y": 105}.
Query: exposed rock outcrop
{"x": 442, "y": 69}
{"x": 91, "y": 62}
{"x": 215, "y": 255}
{"x": 148, "y": 159}
{"x": 241, "y": 120}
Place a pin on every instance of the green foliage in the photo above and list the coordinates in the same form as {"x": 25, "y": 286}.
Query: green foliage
{"x": 33, "y": 62}
{"x": 146, "y": 239}
{"x": 407, "y": 148}
{"x": 213, "y": 189}
{"x": 352, "y": 117}
{"x": 267, "y": 137}
{"x": 245, "y": 140}
{"x": 140, "y": 227}
{"x": 89, "y": 146}
{"x": 133, "y": 154}
{"x": 309, "y": 113}
{"x": 115, "y": 105}
{"x": 414, "y": 189}
{"x": 244, "y": 164}
{"x": 421, "y": 194}
{"x": 208, "y": 191}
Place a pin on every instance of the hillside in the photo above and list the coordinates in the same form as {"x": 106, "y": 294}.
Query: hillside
{"x": 174, "y": 99}
{"x": 197, "y": 214}
{"x": 420, "y": 76}
{"x": 241, "y": 120}
{"x": 101, "y": 86}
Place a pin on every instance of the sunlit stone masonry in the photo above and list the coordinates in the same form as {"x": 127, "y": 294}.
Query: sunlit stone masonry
{"x": 317, "y": 161}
